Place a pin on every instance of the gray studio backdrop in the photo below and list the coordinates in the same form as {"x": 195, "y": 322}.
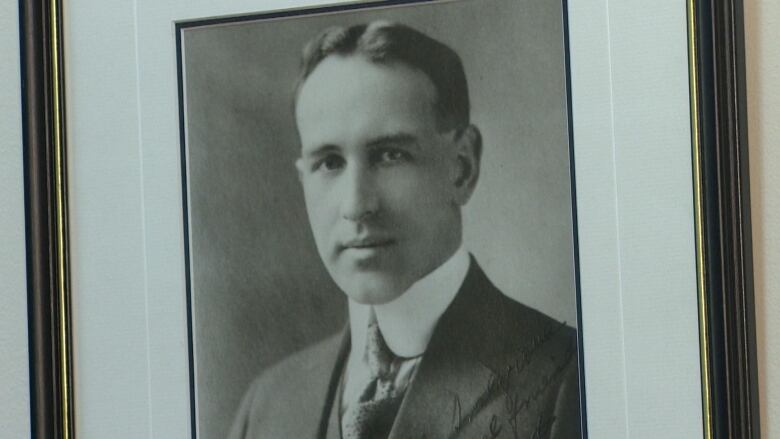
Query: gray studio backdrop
{"x": 259, "y": 290}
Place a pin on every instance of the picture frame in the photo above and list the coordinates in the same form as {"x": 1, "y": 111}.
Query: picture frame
{"x": 720, "y": 206}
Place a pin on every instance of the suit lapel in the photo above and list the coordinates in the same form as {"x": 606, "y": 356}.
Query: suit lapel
{"x": 441, "y": 399}
{"x": 449, "y": 387}
{"x": 333, "y": 429}
{"x": 472, "y": 343}
{"x": 323, "y": 379}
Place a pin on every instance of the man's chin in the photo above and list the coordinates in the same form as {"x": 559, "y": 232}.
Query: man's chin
{"x": 371, "y": 291}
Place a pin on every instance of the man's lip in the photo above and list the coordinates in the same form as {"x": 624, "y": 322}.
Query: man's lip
{"x": 368, "y": 242}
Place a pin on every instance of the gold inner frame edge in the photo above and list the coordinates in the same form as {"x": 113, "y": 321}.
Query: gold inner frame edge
{"x": 698, "y": 211}
{"x": 60, "y": 226}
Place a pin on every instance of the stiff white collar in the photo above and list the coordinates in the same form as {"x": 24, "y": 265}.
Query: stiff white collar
{"x": 407, "y": 322}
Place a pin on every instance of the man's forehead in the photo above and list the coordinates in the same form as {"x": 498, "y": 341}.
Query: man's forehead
{"x": 348, "y": 97}
{"x": 340, "y": 79}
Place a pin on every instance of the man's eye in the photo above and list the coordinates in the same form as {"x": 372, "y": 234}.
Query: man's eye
{"x": 329, "y": 163}
{"x": 393, "y": 155}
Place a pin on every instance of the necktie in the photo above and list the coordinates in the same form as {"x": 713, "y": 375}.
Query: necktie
{"x": 372, "y": 416}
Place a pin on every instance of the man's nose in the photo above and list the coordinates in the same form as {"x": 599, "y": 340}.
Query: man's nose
{"x": 360, "y": 200}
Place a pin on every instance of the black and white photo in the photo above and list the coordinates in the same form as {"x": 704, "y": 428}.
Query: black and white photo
{"x": 380, "y": 219}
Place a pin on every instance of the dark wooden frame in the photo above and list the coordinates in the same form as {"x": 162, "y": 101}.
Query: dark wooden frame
{"x": 722, "y": 203}
{"x": 48, "y": 304}
{"x": 723, "y": 227}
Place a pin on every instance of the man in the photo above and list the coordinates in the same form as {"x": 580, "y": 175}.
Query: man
{"x": 388, "y": 159}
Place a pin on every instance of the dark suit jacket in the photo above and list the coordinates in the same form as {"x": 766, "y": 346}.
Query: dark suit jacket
{"x": 493, "y": 368}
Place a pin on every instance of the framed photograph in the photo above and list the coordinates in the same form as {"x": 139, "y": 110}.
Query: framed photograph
{"x": 460, "y": 218}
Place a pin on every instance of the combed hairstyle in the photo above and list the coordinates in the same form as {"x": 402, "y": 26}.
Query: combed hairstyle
{"x": 386, "y": 42}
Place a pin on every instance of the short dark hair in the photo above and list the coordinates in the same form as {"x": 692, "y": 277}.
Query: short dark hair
{"x": 382, "y": 42}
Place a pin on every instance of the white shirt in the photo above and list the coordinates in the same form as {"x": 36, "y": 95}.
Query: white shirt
{"x": 406, "y": 323}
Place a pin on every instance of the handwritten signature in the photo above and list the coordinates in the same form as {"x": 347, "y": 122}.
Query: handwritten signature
{"x": 514, "y": 404}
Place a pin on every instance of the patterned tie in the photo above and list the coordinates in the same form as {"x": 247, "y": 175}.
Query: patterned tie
{"x": 371, "y": 417}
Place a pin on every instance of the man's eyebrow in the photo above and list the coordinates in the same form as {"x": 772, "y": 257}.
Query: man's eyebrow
{"x": 319, "y": 150}
{"x": 401, "y": 139}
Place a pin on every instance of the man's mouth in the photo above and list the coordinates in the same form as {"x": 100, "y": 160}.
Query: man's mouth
{"x": 369, "y": 242}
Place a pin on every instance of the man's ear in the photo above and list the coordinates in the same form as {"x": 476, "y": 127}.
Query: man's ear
{"x": 468, "y": 144}
{"x": 299, "y": 167}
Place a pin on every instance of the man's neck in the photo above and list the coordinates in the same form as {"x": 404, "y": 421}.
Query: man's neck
{"x": 407, "y": 322}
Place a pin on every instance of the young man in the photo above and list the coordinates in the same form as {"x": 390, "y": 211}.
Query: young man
{"x": 389, "y": 157}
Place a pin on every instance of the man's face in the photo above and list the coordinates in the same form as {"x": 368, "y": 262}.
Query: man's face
{"x": 383, "y": 186}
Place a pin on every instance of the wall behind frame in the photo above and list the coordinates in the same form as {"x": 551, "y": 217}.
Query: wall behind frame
{"x": 259, "y": 288}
